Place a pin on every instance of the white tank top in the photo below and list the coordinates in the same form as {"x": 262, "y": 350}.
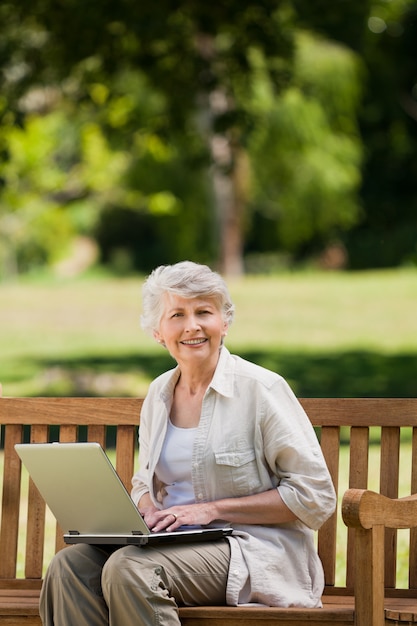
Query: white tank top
{"x": 174, "y": 466}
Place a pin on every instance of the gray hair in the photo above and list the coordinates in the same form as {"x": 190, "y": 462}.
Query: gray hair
{"x": 186, "y": 279}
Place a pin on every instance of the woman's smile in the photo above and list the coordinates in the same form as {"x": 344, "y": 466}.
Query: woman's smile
{"x": 193, "y": 342}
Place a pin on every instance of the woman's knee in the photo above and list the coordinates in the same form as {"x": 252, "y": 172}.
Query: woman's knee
{"x": 129, "y": 566}
{"x": 63, "y": 561}
{"x": 71, "y": 593}
{"x": 76, "y": 559}
{"x": 114, "y": 566}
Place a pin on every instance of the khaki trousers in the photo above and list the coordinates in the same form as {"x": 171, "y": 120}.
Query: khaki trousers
{"x": 130, "y": 586}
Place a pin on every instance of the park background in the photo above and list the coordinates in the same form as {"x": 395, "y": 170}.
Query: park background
{"x": 274, "y": 140}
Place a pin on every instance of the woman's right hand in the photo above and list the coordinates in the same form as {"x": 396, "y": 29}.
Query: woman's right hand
{"x": 147, "y": 509}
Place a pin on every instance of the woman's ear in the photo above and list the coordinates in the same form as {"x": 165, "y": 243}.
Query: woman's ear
{"x": 157, "y": 336}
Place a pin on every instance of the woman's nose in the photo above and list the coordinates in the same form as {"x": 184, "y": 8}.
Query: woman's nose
{"x": 192, "y": 323}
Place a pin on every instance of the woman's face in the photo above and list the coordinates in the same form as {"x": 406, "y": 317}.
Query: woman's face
{"x": 191, "y": 328}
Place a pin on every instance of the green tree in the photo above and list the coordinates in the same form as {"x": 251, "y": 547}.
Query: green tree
{"x": 34, "y": 227}
{"x": 387, "y": 234}
{"x": 307, "y": 153}
{"x": 100, "y": 166}
{"x": 195, "y": 54}
{"x": 385, "y": 35}
{"x": 203, "y": 63}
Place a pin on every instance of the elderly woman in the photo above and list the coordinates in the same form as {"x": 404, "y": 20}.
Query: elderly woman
{"x": 221, "y": 441}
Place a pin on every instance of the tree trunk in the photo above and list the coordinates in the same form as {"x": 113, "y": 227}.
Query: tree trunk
{"x": 230, "y": 203}
{"x": 225, "y": 171}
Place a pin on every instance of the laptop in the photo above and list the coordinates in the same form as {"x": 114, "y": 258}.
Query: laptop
{"x": 83, "y": 491}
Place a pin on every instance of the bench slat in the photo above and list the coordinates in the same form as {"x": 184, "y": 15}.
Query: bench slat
{"x": 358, "y": 479}
{"x": 412, "y": 571}
{"x": 389, "y": 472}
{"x": 84, "y": 411}
{"x": 35, "y": 533}
{"x": 329, "y": 441}
{"x": 359, "y": 457}
{"x": 336, "y": 611}
{"x": 97, "y": 433}
{"x": 10, "y": 502}
{"x": 125, "y": 453}
{"x": 81, "y": 411}
{"x": 361, "y": 411}
{"x": 340, "y": 614}
{"x": 68, "y": 433}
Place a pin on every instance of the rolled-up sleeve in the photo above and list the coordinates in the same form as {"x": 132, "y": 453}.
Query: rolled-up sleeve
{"x": 294, "y": 455}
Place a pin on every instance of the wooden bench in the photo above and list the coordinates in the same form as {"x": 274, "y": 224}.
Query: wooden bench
{"x": 368, "y": 595}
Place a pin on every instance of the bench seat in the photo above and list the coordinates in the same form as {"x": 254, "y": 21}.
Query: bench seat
{"x": 20, "y": 606}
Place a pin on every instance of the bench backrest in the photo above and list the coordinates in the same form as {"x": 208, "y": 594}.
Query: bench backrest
{"x": 347, "y": 428}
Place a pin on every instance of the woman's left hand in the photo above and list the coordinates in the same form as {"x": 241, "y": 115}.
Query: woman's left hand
{"x": 261, "y": 508}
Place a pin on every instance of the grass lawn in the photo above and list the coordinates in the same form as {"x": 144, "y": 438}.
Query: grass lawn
{"x": 329, "y": 334}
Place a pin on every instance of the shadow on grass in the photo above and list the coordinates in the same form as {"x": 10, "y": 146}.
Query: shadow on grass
{"x": 345, "y": 374}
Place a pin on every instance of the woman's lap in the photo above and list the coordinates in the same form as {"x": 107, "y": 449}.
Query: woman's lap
{"x": 88, "y": 582}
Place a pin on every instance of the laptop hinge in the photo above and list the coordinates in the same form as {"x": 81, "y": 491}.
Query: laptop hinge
{"x": 73, "y": 532}
{"x": 136, "y": 532}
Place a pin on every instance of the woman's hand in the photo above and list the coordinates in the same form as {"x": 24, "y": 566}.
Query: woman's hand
{"x": 262, "y": 508}
{"x": 176, "y": 516}
{"x": 147, "y": 509}
{"x": 184, "y": 515}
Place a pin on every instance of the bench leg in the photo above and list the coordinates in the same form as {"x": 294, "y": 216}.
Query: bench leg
{"x": 369, "y": 576}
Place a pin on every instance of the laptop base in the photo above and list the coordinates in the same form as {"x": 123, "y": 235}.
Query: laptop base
{"x": 178, "y": 537}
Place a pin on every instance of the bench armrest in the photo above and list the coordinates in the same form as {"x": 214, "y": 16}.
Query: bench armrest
{"x": 362, "y": 508}
{"x": 370, "y": 514}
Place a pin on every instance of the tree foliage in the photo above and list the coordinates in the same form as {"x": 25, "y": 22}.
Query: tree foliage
{"x": 385, "y": 36}
{"x": 307, "y": 153}
{"x": 179, "y": 129}
{"x": 191, "y": 54}
{"x": 387, "y": 234}
{"x": 33, "y": 225}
